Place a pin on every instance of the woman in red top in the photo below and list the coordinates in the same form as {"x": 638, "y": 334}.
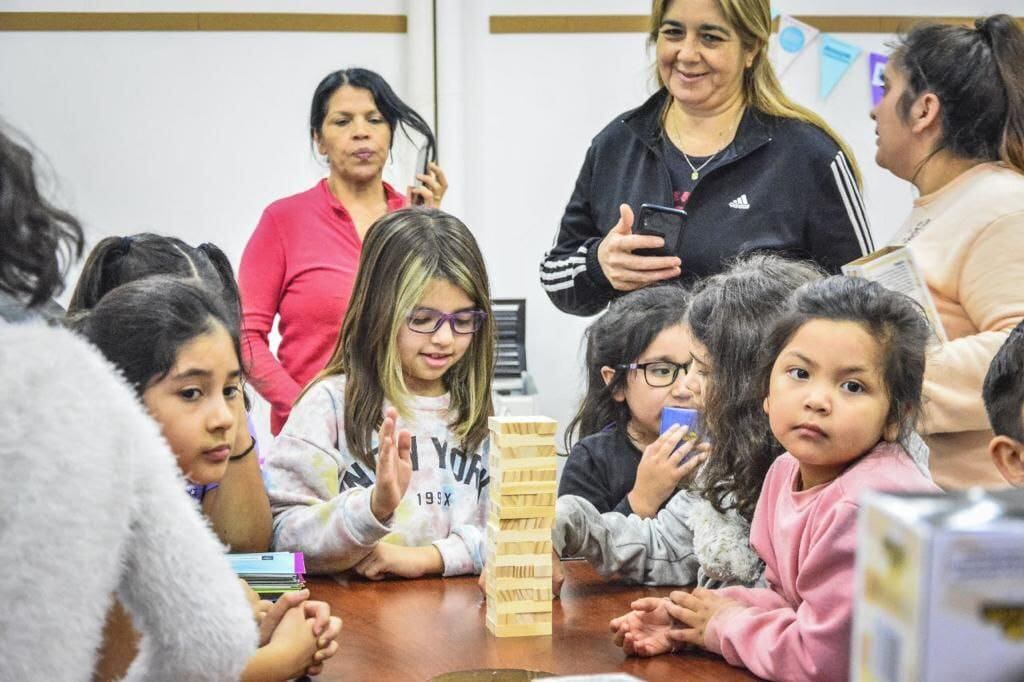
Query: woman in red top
{"x": 302, "y": 258}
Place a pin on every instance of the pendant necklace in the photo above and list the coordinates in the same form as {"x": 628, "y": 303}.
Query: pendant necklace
{"x": 696, "y": 171}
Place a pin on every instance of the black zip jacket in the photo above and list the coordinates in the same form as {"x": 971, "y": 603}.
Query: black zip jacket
{"x": 788, "y": 189}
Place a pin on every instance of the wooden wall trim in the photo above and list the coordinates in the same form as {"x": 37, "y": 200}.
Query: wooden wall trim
{"x": 637, "y": 23}
{"x": 202, "y": 21}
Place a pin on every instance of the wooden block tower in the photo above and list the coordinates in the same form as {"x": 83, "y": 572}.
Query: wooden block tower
{"x": 517, "y": 568}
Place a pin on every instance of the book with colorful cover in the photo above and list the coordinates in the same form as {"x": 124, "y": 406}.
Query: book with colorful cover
{"x": 270, "y": 573}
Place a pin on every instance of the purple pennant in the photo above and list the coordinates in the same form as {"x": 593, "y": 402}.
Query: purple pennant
{"x": 876, "y": 65}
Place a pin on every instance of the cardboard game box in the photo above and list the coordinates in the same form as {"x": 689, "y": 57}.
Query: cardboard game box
{"x": 939, "y": 587}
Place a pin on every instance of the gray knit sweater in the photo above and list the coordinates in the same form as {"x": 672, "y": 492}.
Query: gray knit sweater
{"x": 92, "y": 504}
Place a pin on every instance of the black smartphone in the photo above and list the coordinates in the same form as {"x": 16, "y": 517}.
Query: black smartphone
{"x": 422, "y": 159}
{"x": 660, "y": 221}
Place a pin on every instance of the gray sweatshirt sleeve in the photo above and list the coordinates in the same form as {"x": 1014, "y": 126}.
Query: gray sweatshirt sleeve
{"x": 656, "y": 551}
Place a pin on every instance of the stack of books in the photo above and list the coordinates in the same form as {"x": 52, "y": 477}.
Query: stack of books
{"x": 270, "y": 574}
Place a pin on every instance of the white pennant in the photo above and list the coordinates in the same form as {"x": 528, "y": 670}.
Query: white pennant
{"x": 792, "y": 39}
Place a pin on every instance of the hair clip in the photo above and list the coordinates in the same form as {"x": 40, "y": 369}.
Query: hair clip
{"x": 126, "y": 244}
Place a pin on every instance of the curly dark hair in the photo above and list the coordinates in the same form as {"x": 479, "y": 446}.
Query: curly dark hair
{"x": 731, "y": 315}
{"x": 37, "y": 240}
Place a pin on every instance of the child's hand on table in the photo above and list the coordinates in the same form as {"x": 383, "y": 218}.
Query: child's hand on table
{"x": 327, "y": 628}
{"x": 644, "y": 631}
{"x": 694, "y": 610}
{"x": 404, "y": 562}
{"x": 292, "y": 644}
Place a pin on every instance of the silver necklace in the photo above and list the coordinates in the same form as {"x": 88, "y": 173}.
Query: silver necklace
{"x": 696, "y": 171}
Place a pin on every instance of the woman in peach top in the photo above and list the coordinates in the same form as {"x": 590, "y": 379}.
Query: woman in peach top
{"x": 952, "y": 124}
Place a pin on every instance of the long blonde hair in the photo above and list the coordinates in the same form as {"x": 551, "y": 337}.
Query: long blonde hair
{"x": 402, "y": 253}
{"x": 752, "y": 21}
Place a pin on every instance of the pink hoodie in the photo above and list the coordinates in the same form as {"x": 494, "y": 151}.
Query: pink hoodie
{"x": 798, "y": 628}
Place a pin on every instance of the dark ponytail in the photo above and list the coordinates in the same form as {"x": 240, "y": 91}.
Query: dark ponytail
{"x": 1006, "y": 39}
{"x": 226, "y": 274}
{"x": 978, "y": 76}
{"x": 100, "y": 273}
{"x": 119, "y": 260}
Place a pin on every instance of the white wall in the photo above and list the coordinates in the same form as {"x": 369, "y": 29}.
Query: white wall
{"x": 193, "y": 134}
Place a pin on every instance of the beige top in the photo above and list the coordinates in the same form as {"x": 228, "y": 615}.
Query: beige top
{"x": 968, "y": 238}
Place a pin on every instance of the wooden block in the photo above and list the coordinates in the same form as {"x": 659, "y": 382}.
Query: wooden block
{"x": 505, "y": 512}
{"x": 527, "y": 564}
{"x": 523, "y": 425}
{"x": 525, "y": 630}
{"x": 524, "y": 476}
{"x": 531, "y": 523}
{"x": 521, "y": 612}
{"x": 510, "y": 441}
{"x": 501, "y": 450}
{"x": 495, "y": 596}
{"x": 534, "y": 463}
{"x": 502, "y": 584}
{"x": 523, "y": 571}
{"x": 527, "y": 487}
{"x": 524, "y": 606}
{"x": 545, "y": 499}
{"x": 518, "y": 624}
{"x": 522, "y": 547}
{"x": 500, "y": 536}
{"x": 493, "y": 559}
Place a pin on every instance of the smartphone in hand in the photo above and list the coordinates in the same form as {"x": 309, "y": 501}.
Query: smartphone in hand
{"x": 422, "y": 159}
{"x": 660, "y": 221}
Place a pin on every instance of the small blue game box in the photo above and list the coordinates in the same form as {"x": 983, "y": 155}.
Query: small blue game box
{"x": 684, "y": 417}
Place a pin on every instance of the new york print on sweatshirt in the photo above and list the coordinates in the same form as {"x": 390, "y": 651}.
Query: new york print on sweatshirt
{"x": 320, "y": 495}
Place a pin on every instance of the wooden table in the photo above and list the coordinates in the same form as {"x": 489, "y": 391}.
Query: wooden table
{"x": 417, "y": 629}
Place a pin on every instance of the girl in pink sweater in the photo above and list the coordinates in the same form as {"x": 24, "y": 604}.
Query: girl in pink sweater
{"x": 842, "y": 376}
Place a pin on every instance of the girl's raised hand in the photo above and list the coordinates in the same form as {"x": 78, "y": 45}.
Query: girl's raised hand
{"x": 661, "y": 469}
{"x": 394, "y": 468}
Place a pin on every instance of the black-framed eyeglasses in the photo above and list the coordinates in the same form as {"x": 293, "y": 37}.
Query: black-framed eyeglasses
{"x": 660, "y": 373}
{"x": 428, "y": 320}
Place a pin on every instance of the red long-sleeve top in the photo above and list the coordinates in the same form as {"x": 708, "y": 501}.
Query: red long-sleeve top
{"x": 300, "y": 264}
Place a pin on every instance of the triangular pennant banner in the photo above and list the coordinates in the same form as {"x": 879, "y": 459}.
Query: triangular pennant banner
{"x": 876, "y": 65}
{"x": 794, "y": 37}
{"x": 836, "y": 59}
